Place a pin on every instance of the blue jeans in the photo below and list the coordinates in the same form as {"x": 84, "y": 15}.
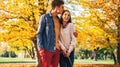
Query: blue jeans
{"x": 67, "y": 62}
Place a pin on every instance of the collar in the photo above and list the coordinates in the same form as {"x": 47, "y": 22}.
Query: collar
{"x": 64, "y": 26}
{"x": 50, "y": 14}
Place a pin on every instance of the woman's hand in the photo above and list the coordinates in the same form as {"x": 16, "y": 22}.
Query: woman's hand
{"x": 67, "y": 54}
{"x": 64, "y": 51}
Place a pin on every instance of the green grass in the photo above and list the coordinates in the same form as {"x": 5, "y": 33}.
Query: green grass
{"x": 77, "y": 61}
{"x": 17, "y": 60}
{"x": 89, "y": 61}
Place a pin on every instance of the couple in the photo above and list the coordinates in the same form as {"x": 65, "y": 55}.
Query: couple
{"x": 56, "y": 39}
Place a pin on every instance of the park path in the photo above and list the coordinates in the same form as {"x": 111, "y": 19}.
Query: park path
{"x": 75, "y": 65}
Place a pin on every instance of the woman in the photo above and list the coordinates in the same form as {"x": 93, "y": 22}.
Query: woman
{"x": 67, "y": 40}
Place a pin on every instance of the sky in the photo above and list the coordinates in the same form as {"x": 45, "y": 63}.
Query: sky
{"x": 74, "y": 9}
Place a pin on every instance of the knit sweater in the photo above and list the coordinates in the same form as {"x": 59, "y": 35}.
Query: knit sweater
{"x": 67, "y": 38}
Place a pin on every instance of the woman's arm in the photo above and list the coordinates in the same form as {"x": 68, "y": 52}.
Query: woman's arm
{"x": 73, "y": 38}
{"x": 63, "y": 48}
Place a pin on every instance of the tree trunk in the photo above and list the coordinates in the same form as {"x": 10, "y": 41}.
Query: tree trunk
{"x": 114, "y": 55}
{"x": 33, "y": 52}
{"x": 118, "y": 47}
{"x": 105, "y": 54}
{"x": 118, "y": 53}
{"x": 9, "y": 54}
{"x": 95, "y": 54}
{"x": 36, "y": 56}
{"x": 34, "y": 39}
{"x": 25, "y": 55}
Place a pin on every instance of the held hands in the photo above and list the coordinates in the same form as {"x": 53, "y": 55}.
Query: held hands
{"x": 66, "y": 53}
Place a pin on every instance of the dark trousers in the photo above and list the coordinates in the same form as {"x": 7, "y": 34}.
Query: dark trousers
{"x": 65, "y": 61}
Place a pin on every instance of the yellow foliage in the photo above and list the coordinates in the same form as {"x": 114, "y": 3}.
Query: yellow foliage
{"x": 19, "y": 21}
{"x": 93, "y": 28}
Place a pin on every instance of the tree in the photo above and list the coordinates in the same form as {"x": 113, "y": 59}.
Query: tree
{"x": 97, "y": 24}
{"x": 19, "y": 22}
{"x": 118, "y": 51}
{"x": 110, "y": 8}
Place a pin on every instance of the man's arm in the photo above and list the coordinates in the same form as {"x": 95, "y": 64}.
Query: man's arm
{"x": 40, "y": 30}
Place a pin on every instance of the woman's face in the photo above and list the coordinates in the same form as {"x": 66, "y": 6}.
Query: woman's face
{"x": 66, "y": 16}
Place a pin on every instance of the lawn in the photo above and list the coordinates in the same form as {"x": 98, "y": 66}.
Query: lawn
{"x": 89, "y": 61}
{"x": 16, "y": 60}
{"x": 77, "y": 61}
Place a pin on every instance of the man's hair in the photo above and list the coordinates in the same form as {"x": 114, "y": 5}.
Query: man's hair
{"x": 57, "y": 3}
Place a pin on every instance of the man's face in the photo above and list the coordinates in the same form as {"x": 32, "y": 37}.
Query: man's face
{"x": 60, "y": 9}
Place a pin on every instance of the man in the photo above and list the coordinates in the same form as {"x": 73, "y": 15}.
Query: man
{"x": 48, "y": 35}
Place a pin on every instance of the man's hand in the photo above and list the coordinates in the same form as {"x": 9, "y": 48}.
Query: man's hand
{"x": 41, "y": 51}
{"x": 75, "y": 34}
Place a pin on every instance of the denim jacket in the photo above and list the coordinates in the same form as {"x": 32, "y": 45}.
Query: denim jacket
{"x": 46, "y": 33}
